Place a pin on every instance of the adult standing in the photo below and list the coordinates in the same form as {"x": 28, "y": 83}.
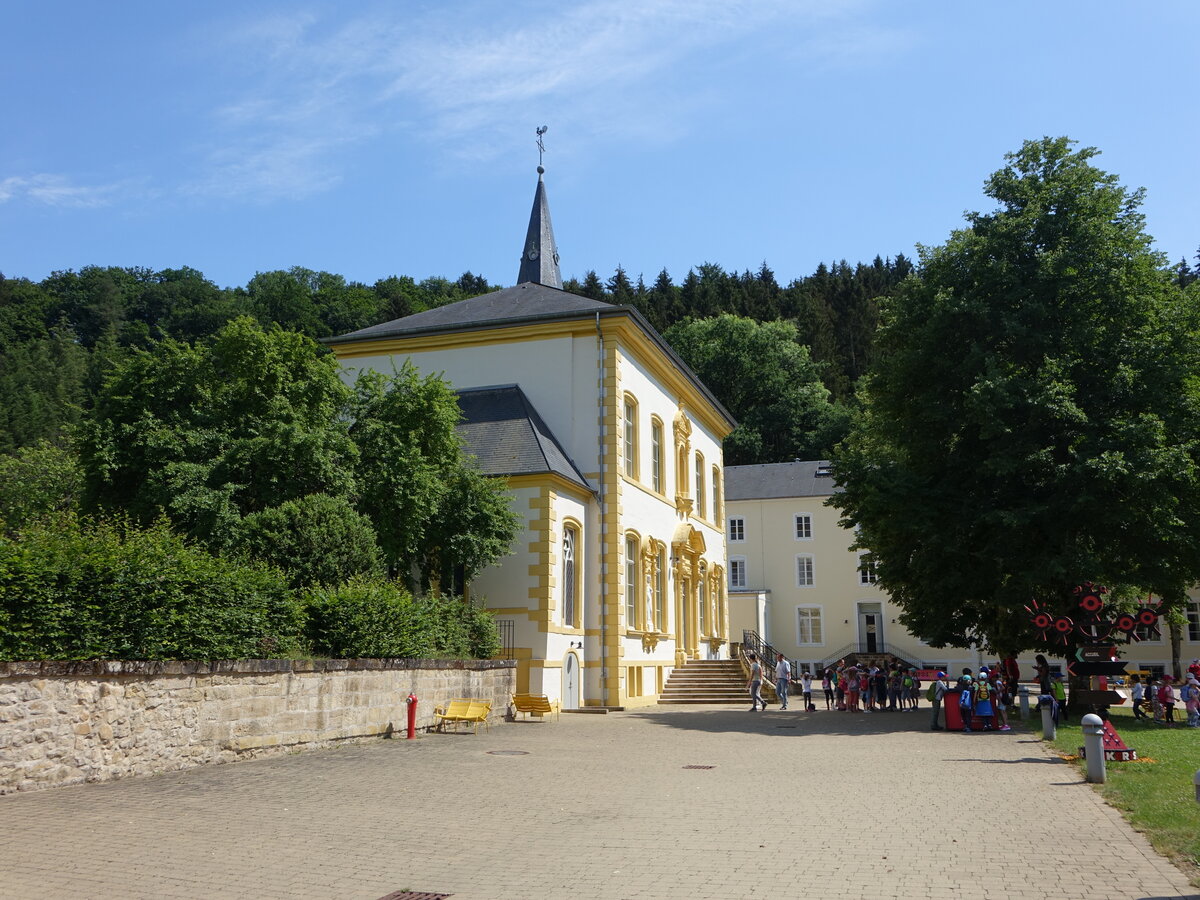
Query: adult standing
{"x": 755, "y": 683}
{"x": 1042, "y": 669}
{"x": 939, "y": 692}
{"x": 783, "y": 680}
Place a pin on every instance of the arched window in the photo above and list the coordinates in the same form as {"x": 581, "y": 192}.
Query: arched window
{"x": 570, "y": 576}
{"x": 700, "y": 510}
{"x": 716, "y": 494}
{"x": 631, "y": 436}
{"x": 656, "y": 455}
{"x": 631, "y": 581}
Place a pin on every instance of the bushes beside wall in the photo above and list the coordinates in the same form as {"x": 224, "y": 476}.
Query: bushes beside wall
{"x": 371, "y": 618}
{"x": 106, "y": 590}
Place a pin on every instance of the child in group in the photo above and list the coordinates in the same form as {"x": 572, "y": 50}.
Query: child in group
{"x": 852, "y": 689}
{"x": 966, "y": 700}
{"x": 894, "y": 688}
{"x": 1059, "y": 692}
{"x": 1166, "y": 697}
{"x": 914, "y": 690}
{"x": 827, "y": 687}
{"x": 1000, "y": 699}
{"x": 1156, "y": 708}
{"x": 1191, "y": 698}
{"x": 864, "y": 690}
{"x": 880, "y": 682}
{"x": 806, "y": 690}
{"x": 1139, "y": 695}
{"x": 983, "y": 700}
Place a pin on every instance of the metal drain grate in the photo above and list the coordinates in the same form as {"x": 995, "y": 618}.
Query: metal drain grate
{"x": 415, "y": 895}
{"x": 507, "y": 753}
{"x": 699, "y": 767}
{"x": 786, "y": 726}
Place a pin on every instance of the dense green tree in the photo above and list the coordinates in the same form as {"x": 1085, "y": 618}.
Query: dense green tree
{"x": 39, "y": 483}
{"x": 208, "y": 433}
{"x": 592, "y": 287}
{"x": 317, "y": 539}
{"x": 783, "y": 409}
{"x": 620, "y": 291}
{"x": 1030, "y": 422}
{"x": 416, "y": 484}
{"x": 43, "y": 388}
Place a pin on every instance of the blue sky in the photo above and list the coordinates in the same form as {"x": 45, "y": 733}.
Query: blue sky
{"x": 371, "y": 139}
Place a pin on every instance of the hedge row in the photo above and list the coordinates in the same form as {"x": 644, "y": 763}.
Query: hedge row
{"x": 106, "y": 590}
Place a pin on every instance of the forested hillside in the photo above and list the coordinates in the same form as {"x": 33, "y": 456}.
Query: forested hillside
{"x": 59, "y": 336}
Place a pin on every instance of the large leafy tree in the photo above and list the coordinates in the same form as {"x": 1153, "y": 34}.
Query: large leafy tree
{"x": 1030, "y": 418}
{"x": 439, "y": 521}
{"x": 783, "y": 410}
{"x": 212, "y": 432}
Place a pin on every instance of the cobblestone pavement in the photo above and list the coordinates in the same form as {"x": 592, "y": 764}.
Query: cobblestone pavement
{"x": 819, "y": 805}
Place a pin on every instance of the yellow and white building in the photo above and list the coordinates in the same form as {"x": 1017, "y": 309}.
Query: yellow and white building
{"x": 612, "y": 450}
{"x": 795, "y": 581}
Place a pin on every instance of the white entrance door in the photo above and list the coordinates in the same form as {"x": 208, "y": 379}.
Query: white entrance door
{"x": 570, "y": 685}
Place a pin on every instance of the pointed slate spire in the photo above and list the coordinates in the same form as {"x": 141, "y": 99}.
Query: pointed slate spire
{"x": 539, "y": 256}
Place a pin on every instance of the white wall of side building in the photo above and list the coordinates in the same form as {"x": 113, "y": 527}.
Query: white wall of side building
{"x": 772, "y": 595}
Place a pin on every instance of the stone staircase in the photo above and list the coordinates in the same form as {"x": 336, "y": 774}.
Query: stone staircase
{"x": 706, "y": 681}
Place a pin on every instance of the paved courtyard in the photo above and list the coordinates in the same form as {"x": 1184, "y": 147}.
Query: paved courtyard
{"x": 821, "y": 805}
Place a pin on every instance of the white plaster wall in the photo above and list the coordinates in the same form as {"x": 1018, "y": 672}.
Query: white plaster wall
{"x": 771, "y": 549}
{"x": 559, "y": 376}
{"x": 506, "y": 582}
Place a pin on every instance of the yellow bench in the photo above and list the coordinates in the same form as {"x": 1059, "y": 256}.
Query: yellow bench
{"x": 464, "y": 709}
{"x": 534, "y": 704}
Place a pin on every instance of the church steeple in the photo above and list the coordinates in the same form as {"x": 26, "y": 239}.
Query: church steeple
{"x": 539, "y": 256}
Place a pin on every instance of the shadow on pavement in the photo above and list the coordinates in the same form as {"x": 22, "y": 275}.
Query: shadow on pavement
{"x": 797, "y": 723}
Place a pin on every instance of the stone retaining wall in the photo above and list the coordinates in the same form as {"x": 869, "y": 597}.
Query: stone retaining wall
{"x": 70, "y": 722}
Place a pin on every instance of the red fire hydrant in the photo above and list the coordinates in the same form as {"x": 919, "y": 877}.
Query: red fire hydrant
{"x": 412, "y": 715}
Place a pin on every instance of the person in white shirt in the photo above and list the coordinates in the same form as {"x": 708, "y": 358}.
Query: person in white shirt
{"x": 1139, "y": 696}
{"x": 806, "y": 689}
{"x": 783, "y": 679}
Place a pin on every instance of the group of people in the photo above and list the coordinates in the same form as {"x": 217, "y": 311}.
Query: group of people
{"x": 1162, "y": 697}
{"x": 983, "y": 698}
{"x": 854, "y": 688}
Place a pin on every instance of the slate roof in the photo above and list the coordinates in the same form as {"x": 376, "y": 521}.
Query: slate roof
{"x": 539, "y": 255}
{"x": 526, "y": 302}
{"x": 501, "y": 428}
{"x": 778, "y": 480}
{"x": 523, "y": 304}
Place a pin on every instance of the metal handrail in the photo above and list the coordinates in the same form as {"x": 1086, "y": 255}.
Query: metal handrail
{"x": 880, "y": 647}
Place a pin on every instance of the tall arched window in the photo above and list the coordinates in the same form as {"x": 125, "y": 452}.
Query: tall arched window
{"x": 570, "y": 575}
{"x": 631, "y": 437}
{"x": 716, "y": 494}
{"x": 656, "y": 455}
{"x": 631, "y": 581}
{"x": 700, "y": 510}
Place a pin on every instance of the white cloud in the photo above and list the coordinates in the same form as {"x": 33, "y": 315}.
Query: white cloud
{"x": 57, "y": 190}
{"x": 465, "y": 73}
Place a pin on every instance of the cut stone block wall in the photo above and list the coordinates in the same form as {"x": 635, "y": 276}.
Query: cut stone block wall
{"x": 70, "y": 722}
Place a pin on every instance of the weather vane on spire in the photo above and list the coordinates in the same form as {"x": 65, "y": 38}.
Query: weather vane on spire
{"x": 541, "y": 146}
